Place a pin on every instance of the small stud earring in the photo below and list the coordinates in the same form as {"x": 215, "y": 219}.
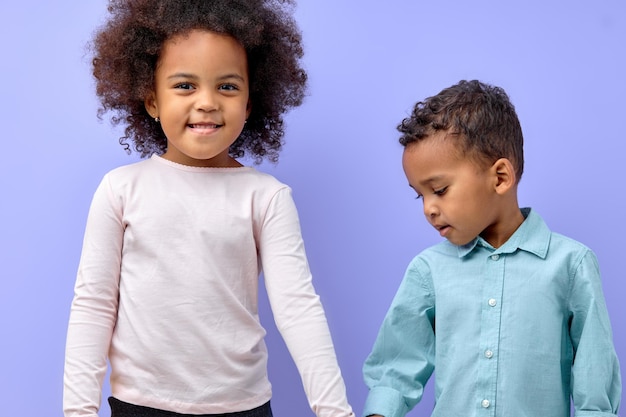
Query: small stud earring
{"x": 156, "y": 119}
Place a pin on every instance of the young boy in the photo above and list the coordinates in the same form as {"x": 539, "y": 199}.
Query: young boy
{"x": 510, "y": 315}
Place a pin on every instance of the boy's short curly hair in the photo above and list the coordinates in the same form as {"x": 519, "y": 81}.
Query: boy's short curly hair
{"x": 480, "y": 115}
{"x": 126, "y": 50}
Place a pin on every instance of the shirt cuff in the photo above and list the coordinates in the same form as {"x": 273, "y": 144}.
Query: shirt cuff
{"x": 385, "y": 401}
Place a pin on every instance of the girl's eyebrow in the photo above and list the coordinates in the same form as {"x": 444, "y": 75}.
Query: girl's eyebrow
{"x": 230, "y": 76}
{"x": 195, "y": 77}
{"x": 181, "y": 75}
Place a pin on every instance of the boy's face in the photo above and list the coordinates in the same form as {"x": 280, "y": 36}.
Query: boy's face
{"x": 459, "y": 195}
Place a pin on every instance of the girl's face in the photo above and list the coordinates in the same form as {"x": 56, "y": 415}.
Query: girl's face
{"x": 201, "y": 97}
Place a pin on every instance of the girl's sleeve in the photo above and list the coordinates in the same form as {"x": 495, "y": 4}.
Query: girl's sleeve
{"x": 403, "y": 356}
{"x": 94, "y": 307}
{"x": 297, "y": 309}
{"x": 596, "y": 384}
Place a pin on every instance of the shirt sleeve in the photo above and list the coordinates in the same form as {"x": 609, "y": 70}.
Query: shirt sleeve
{"x": 297, "y": 309}
{"x": 94, "y": 307}
{"x": 403, "y": 356}
{"x": 596, "y": 384}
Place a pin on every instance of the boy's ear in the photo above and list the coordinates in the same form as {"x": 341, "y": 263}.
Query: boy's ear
{"x": 504, "y": 175}
{"x": 151, "y": 106}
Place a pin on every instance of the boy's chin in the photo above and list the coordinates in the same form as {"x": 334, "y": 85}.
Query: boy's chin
{"x": 460, "y": 242}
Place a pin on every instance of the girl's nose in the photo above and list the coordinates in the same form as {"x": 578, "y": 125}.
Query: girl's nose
{"x": 207, "y": 101}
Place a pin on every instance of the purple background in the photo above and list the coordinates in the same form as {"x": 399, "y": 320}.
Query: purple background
{"x": 563, "y": 64}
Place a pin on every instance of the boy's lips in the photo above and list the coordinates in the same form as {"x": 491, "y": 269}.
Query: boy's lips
{"x": 442, "y": 229}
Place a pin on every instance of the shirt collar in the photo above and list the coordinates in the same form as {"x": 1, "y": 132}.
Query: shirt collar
{"x": 532, "y": 236}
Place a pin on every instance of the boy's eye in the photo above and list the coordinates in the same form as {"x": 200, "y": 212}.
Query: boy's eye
{"x": 440, "y": 191}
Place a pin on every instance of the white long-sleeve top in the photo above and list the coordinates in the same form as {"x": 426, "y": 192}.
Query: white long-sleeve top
{"x": 167, "y": 290}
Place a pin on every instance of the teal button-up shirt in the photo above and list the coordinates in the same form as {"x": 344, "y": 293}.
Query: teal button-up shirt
{"x": 511, "y": 332}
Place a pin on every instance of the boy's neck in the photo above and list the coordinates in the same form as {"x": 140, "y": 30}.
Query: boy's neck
{"x": 502, "y": 230}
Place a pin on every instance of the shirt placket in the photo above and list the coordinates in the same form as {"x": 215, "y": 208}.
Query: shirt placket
{"x": 491, "y": 314}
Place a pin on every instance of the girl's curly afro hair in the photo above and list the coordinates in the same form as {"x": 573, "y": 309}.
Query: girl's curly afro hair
{"x": 126, "y": 50}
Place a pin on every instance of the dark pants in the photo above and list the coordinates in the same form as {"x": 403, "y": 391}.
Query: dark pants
{"x": 122, "y": 409}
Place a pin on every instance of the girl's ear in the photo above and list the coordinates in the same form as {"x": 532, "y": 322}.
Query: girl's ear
{"x": 151, "y": 106}
{"x": 504, "y": 175}
{"x": 248, "y": 109}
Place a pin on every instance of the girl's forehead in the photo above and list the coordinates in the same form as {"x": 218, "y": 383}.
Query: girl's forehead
{"x": 191, "y": 32}
{"x": 202, "y": 47}
{"x": 197, "y": 36}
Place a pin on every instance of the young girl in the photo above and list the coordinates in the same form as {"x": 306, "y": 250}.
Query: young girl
{"x": 168, "y": 279}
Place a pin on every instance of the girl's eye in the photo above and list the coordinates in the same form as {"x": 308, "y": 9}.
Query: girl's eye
{"x": 418, "y": 196}
{"x": 440, "y": 191}
{"x": 228, "y": 87}
{"x": 183, "y": 86}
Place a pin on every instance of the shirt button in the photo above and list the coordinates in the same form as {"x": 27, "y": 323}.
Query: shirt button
{"x": 495, "y": 257}
{"x": 485, "y": 403}
{"x": 488, "y": 354}
{"x": 492, "y": 302}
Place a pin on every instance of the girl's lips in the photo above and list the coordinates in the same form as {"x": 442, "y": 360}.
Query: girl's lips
{"x": 204, "y": 129}
{"x": 204, "y": 126}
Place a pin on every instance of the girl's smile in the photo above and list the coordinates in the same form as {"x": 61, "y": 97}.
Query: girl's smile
{"x": 204, "y": 129}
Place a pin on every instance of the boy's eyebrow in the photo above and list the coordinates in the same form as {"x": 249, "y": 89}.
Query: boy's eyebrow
{"x": 432, "y": 179}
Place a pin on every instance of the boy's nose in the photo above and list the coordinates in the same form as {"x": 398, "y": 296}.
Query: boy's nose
{"x": 430, "y": 209}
